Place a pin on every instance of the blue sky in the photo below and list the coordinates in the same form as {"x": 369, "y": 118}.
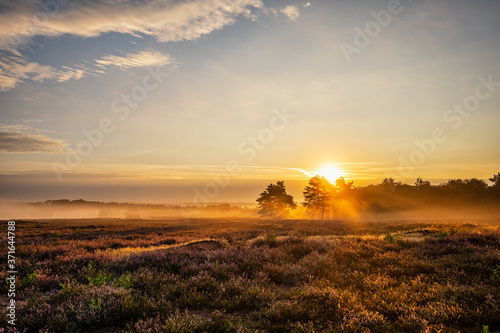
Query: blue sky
{"x": 228, "y": 68}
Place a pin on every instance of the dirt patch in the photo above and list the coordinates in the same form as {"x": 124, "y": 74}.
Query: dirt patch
{"x": 204, "y": 245}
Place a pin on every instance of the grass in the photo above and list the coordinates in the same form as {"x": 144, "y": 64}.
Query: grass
{"x": 247, "y": 275}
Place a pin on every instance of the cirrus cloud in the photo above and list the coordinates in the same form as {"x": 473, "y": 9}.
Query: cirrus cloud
{"x": 166, "y": 20}
{"x": 14, "y": 70}
{"x": 141, "y": 59}
{"x": 27, "y": 139}
{"x": 17, "y": 142}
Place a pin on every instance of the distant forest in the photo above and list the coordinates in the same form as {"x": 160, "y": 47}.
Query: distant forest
{"x": 322, "y": 199}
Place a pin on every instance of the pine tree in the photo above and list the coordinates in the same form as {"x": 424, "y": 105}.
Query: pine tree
{"x": 274, "y": 201}
{"x": 496, "y": 181}
{"x": 318, "y": 194}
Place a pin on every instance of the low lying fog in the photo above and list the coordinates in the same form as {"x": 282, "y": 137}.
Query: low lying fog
{"x": 459, "y": 213}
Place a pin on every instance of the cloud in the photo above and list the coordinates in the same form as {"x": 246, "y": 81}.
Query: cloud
{"x": 14, "y": 70}
{"x": 20, "y": 129}
{"x": 292, "y": 12}
{"x": 28, "y": 139}
{"x": 166, "y": 20}
{"x": 17, "y": 142}
{"x": 70, "y": 73}
{"x": 141, "y": 59}
{"x": 7, "y": 82}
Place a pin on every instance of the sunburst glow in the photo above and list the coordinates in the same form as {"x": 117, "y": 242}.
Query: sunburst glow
{"x": 330, "y": 172}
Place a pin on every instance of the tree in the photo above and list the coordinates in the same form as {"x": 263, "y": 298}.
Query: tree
{"x": 318, "y": 194}
{"x": 390, "y": 184}
{"x": 343, "y": 187}
{"x": 496, "y": 181}
{"x": 421, "y": 184}
{"x": 475, "y": 185}
{"x": 274, "y": 201}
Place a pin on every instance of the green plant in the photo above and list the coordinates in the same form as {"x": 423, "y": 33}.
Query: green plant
{"x": 446, "y": 232}
{"x": 123, "y": 281}
{"x": 32, "y": 277}
{"x": 96, "y": 279}
{"x": 495, "y": 274}
{"x": 67, "y": 288}
{"x": 96, "y": 305}
{"x": 89, "y": 267}
{"x": 99, "y": 279}
{"x": 64, "y": 287}
{"x": 389, "y": 238}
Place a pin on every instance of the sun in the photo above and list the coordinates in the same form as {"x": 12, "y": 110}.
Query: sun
{"x": 330, "y": 172}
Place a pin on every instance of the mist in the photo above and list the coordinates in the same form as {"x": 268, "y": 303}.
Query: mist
{"x": 415, "y": 212}
{"x": 80, "y": 209}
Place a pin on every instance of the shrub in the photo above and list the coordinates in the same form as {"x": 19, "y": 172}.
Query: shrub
{"x": 389, "y": 238}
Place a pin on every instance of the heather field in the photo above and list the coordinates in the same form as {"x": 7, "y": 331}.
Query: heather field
{"x": 255, "y": 275}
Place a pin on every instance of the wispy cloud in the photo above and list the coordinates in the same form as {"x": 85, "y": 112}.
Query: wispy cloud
{"x": 14, "y": 142}
{"x": 164, "y": 19}
{"x": 21, "y": 129}
{"x": 27, "y": 139}
{"x": 69, "y": 73}
{"x": 14, "y": 70}
{"x": 292, "y": 12}
{"x": 141, "y": 59}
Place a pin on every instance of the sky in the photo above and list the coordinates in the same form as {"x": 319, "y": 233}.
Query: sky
{"x": 211, "y": 100}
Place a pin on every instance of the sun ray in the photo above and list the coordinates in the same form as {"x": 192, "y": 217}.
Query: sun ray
{"x": 331, "y": 172}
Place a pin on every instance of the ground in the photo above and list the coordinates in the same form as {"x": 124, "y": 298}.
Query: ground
{"x": 254, "y": 275}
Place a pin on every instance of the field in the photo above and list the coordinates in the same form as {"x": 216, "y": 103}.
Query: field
{"x": 255, "y": 275}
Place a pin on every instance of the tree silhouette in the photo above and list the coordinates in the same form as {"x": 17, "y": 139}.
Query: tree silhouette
{"x": 274, "y": 201}
{"x": 389, "y": 184}
{"x": 343, "y": 187}
{"x": 421, "y": 184}
{"x": 496, "y": 181}
{"x": 318, "y": 194}
{"x": 469, "y": 187}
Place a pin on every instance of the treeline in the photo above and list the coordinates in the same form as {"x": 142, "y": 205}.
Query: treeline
{"x": 82, "y": 202}
{"x": 324, "y": 198}
{"x": 321, "y": 199}
{"x": 86, "y": 209}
